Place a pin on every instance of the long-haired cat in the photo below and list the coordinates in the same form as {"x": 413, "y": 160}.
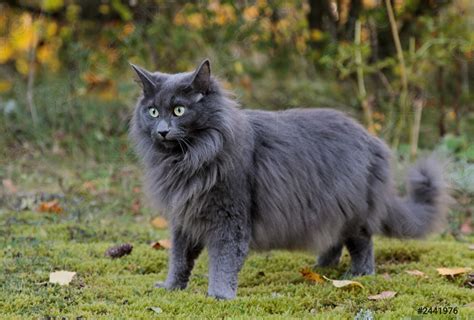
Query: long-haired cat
{"x": 231, "y": 180}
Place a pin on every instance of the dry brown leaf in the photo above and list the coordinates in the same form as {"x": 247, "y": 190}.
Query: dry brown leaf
{"x": 471, "y": 247}
{"x": 136, "y": 206}
{"x": 417, "y": 273}
{"x": 344, "y": 283}
{"x": 452, "y": 271}
{"x": 386, "y": 276}
{"x": 470, "y": 305}
{"x": 159, "y": 223}
{"x": 9, "y": 186}
{"x": 89, "y": 186}
{"x": 50, "y": 206}
{"x": 383, "y": 295}
{"x": 466, "y": 227}
{"x": 311, "y": 276}
{"x": 61, "y": 277}
{"x": 162, "y": 244}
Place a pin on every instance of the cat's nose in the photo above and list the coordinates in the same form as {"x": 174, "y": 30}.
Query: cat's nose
{"x": 163, "y": 133}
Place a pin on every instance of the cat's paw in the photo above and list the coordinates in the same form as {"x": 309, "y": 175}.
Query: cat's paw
{"x": 167, "y": 286}
{"x": 160, "y": 284}
{"x": 222, "y": 295}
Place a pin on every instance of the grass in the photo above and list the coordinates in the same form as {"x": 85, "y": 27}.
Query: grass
{"x": 99, "y": 201}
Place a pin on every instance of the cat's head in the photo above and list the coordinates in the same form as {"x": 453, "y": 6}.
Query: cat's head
{"x": 176, "y": 109}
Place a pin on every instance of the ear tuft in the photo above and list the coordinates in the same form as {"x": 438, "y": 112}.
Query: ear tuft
{"x": 202, "y": 77}
{"x": 146, "y": 78}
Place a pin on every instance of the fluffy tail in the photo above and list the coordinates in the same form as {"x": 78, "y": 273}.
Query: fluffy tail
{"x": 424, "y": 208}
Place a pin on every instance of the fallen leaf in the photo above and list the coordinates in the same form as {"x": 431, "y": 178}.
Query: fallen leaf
{"x": 159, "y": 223}
{"x": 50, "y": 206}
{"x": 471, "y": 247}
{"x": 136, "y": 190}
{"x": 156, "y": 309}
{"x": 89, "y": 186}
{"x": 417, "y": 273}
{"x": 344, "y": 283}
{"x": 162, "y": 244}
{"x": 383, "y": 295}
{"x": 452, "y": 271}
{"x": 386, "y": 276}
{"x": 119, "y": 250}
{"x": 136, "y": 206}
{"x": 470, "y": 305}
{"x": 61, "y": 277}
{"x": 9, "y": 186}
{"x": 308, "y": 274}
{"x": 466, "y": 227}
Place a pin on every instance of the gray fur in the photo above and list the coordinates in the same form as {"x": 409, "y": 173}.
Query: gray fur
{"x": 231, "y": 179}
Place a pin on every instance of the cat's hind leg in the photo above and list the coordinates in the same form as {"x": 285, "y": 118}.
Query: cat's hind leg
{"x": 361, "y": 250}
{"x": 330, "y": 257}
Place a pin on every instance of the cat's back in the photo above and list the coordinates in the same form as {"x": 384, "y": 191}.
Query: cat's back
{"x": 306, "y": 124}
{"x": 306, "y": 163}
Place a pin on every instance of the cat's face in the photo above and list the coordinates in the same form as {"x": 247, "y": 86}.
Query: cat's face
{"x": 173, "y": 111}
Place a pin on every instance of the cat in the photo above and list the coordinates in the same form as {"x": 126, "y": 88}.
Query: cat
{"x": 231, "y": 180}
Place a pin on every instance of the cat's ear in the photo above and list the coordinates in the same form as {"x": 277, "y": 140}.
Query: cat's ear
{"x": 146, "y": 78}
{"x": 202, "y": 77}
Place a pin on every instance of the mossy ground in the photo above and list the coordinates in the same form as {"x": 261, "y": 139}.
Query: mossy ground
{"x": 99, "y": 214}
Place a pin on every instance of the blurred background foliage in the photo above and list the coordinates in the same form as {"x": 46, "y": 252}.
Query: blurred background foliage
{"x": 403, "y": 67}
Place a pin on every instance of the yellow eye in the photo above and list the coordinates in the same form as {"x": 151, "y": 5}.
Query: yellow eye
{"x": 179, "y": 111}
{"x": 153, "y": 112}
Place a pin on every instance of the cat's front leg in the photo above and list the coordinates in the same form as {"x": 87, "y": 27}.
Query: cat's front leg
{"x": 182, "y": 255}
{"x": 228, "y": 247}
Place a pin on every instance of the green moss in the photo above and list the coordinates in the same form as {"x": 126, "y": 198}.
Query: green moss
{"x": 33, "y": 244}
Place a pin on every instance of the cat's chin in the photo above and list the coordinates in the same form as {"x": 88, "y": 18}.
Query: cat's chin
{"x": 167, "y": 145}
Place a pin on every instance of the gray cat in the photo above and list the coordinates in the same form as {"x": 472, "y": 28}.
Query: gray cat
{"x": 232, "y": 180}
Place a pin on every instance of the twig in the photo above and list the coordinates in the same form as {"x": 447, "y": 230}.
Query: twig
{"x": 30, "y": 84}
{"x": 403, "y": 73}
{"x": 360, "y": 79}
{"x": 415, "y": 133}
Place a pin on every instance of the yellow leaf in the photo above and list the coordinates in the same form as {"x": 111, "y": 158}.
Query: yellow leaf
{"x": 23, "y": 36}
{"x": 52, "y": 5}
{"x": 159, "y": 223}
{"x": 21, "y": 66}
{"x": 162, "y": 244}
{"x": 61, "y": 277}
{"x": 104, "y": 9}
{"x": 316, "y": 35}
{"x": 369, "y": 4}
{"x": 195, "y": 20}
{"x": 383, "y": 295}
{"x": 5, "y": 86}
{"x": 51, "y": 29}
{"x": 238, "y": 67}
{"x": 250, "y": 13}
{"x": 6, "y": 51}
{"x": 452, "y": 271}
{"x": 344, "y": 283}
{"x": 311, "y": 276}
{"x": 44, "y": 53}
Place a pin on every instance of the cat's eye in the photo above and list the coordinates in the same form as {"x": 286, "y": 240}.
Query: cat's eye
{"x": 179, "y": 111}
{"x": 153, "y": 112}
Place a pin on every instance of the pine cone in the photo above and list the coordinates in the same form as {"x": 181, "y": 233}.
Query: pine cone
{"x": 119, "y": 251}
